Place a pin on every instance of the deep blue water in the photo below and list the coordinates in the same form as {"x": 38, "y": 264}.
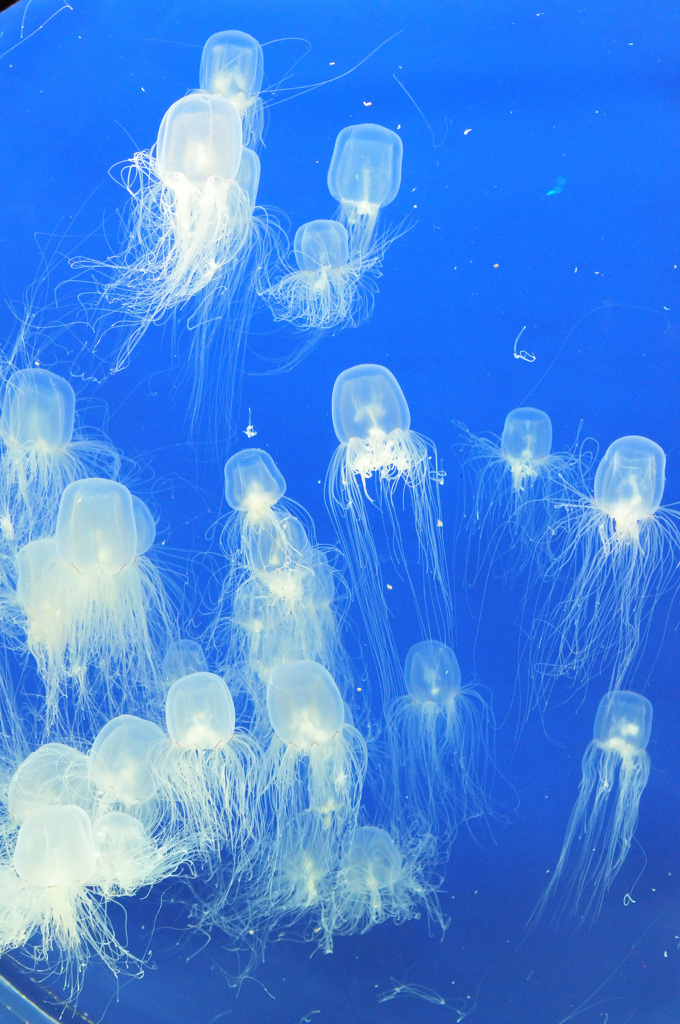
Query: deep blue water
{"x": 512, "y": 97}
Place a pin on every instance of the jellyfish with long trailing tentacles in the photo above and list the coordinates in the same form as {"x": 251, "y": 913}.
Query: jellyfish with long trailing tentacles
{"x": 42, "y": 452}
{"x": 615, "y": 770}
{"x": 611, "y": 556}
{"x": 440, "y": 744}
{"x": 378, "y": 453}
{"x": 516, "y": 481}
{"x": 92, "y": 603}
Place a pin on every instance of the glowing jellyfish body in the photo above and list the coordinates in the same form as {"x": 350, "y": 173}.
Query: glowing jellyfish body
{"x": 615, "y": 770}
{"x": 611, "y": 557}
{"x": 205, "y": 771}
{"x": 47, "y": 902}
{"x": 41, "y": 453}
{"x": 440, "y": 743}
{"x": 377, "y": 881}
{"x": 379, "y": 453}
{"x": 94, "y": 608}
{"x": 364, "y": 176}
{"x": 232, "y": 66}
{"x": 53, "y": 774}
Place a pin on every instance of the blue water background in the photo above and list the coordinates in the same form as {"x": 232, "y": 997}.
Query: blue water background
{"x": 513, "y": 97}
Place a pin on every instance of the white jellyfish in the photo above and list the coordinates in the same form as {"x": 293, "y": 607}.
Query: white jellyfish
{"x": 41, "y": 453}
{"x": 232, "y": 66}
{"x": 440, "y": 744}
{"x": 611, "y": 557}
{"x": 377, "y": 881}
{"x": 182, "y": 658}
{"x": 615, "y": 770}
{"x": 205, "y": 770}
{"x": 93, "y": 604}
{"x": 516, "y": 481}
{"x": 378, "y": 453}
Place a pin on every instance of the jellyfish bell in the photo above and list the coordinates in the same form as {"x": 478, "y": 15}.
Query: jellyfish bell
{"x": 232, "y": 66}
{"x": 120, "y": 761}
{"x": 305, "y": 706}
{"x": 629, "y": 484}
{"x": 364, "y": 175}
{"x": 253, "y": 482}
{"x": 378, "y": 452}
{"x": 38, "y": 412}
{"x": 53, "y": 774}
{"x": 127, "y": 857}
{"x": 526, "y": 444}
{"x": 615, "y": 770}
{"x": 182, "y": 658}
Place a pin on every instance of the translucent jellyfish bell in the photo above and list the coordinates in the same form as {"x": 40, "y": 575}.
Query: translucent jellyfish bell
{"x": 373, "y": 860}
{"x": 183, "y": 658}
{"x": 629, "y": 480}
{"x": 252, "y": 482}
{"x": 615, "y": 769}
{"x": 232, "y": 66}
{"x": 368, "y": 404}
{"x": 127, "y": 857}
{"x": 53, "y": 774}
{"x": 55, "y": 847}
{"x": 38, "y": 408}
{"x": 365, "y": 169}
{"x": 145, "y": 524}
{"x": 248, "y": 174}
{"x": 199, "y": 712}
{"x": 304, "y": 704}
{"x": 321, "y": 245}
{"x": 96, "y": 526}
{"x": 526, "y": 442}
{"x": 432, "y": 672}
{"x": 120, "y": 759}
{"x": 200, "y": 137}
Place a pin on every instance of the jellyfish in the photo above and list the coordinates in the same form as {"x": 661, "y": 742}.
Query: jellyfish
{"x": 611, "y": 557}
{"x": 93, "y": 604}
{"x": 183, "y": 658}
{"x": 316, "y": 762}
{"x": 364, "y": 176}
{"x": 377, "y": 881}
{"x": 378, "y": 452}
{"x": 48, "y": 903}
{"x": 42, "y": 452}
{"x": 516, "y": 482}
{"x": 440, "y": 743}
{"x": 53, "y": 774}
{"x": 232, "y": 66}
{"x": 120, "y": 765}
{"x": 615, "y": 770}
{"x": 205, "y": 770}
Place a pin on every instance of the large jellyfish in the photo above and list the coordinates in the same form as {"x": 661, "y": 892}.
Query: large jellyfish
{"x": 611, "y": 557}
{"x": 333, "y": 284}
{"x": 205, "y": 770}
{"x": 42, "y": 452}
{"x": 440, "y": 737}
{"x": 232, "y": 66}
{"x": 517, "y": 479}
{"x": 93, "y": 604}
{"x": 377, "y": 453}
{"x": 379, "y": 881}
{"x": 615, "y": 771}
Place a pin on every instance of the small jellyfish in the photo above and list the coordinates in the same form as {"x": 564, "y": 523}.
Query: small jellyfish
{"x": 516, "y": 480}
{"x": 612, "y": 555}
{"x": 42, "y": 452}
{"x": 204, "y": 771}
{"x": 364, "y": 176}
{"x": 94, "y": 605}
{"x": 377, "y": 881}
{"x": 615, "y": 770}
{"x": 377, "y": 453}
{"x": 182, "y": 658}
{"x": 316, "y": 762}
{"x": 128, "y": 856}
{"x": 232, "y": 66}
{"x": 47, "y": 901}
{"x": 121, "y": 765}
{"x": 440, "y": 737}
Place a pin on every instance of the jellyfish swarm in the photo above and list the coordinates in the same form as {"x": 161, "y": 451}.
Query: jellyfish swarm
{"x": 440, "y": 744}
{"x": 377, "y": 881}
{"x": 615, "y": 770}
{"x": 276, "y": 602}
{"x": 232, "y": 66}
{"x": 93, "y": 604}
{"x": 611, "y": 558}
{"x": 516, "y": 480}
{"x": 205, "y": 771}
{"x": 41, "y": 453}
{"x": 377, "y": 453}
